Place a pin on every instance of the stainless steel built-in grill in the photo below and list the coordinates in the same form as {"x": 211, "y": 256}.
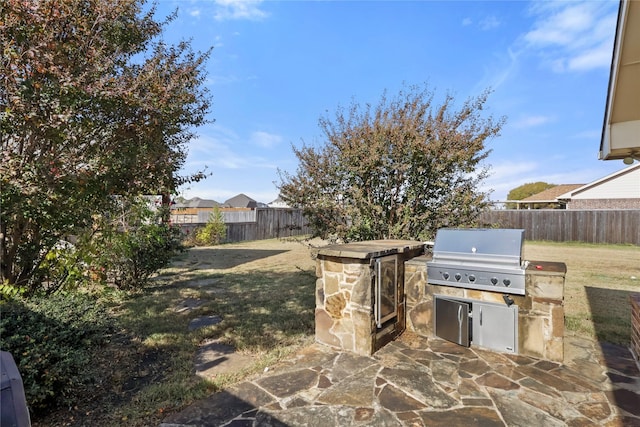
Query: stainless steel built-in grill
{"x": 483, "y": 259}
{"x": 486, "y": 260}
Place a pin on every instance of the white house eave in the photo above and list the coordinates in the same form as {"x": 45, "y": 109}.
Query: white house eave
{"x": 568, "y": 195}
{"x": 621, "y": 128}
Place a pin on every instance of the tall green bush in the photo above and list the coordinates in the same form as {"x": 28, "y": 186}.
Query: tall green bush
{"x": 128, "y": 250}
{"x": 400, "y": 169}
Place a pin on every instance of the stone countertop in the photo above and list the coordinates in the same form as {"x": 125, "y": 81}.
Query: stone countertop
{"x": 547, "y": 267}
{"x": 370, "y": 248}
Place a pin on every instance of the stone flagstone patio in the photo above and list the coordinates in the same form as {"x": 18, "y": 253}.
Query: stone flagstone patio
{"x": 415, "y": 381}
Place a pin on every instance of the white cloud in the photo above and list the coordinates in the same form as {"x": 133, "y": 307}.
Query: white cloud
{"x": 222, "y": 148}
{"x": 573, "y": 36}
{"x": 466, "y": 22}
{"x": 222, "y": 80}
{"x": 561, "y": 27}
{"x": 489, "y": 23}
{"x": 265, "y": 139}
{"x": 599, "y": 56}
{"x": 195, "y": 13}
{"x": 531, "y": 121}
{"x": 497, "y": 72}
{"x": 214, "y": 150}
{"x": 507, "y": 176}
{"x": 239, "y": 9}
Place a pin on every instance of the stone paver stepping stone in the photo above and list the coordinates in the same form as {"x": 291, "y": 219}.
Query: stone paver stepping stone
{"x": 289, "y": 383}
{"x": 357, "y": 391}
{"x": 189, "y": 304}
{"x": 485, "y": 417}
{"x": 214, "y": 358}
{"x": 517, "y": 413}
{"x": 200, "y": 283}
{"x": 418, "y": 385}
{"x": 396, "y": 400}
{"x": 201, "y": 322}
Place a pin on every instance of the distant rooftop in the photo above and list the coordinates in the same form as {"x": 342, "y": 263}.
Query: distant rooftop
{"x": 241, "y": 201}
{"x": 551, "y": 195}
{"x": 196, "y": 202}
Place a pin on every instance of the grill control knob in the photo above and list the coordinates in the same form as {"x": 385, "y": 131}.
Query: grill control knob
{"x": 458, "y": 276}
{"x": 506, "y": 282}
{"x": 494, "y": 281}
{"x": 472, "y": 278}
{"x": 445, "y": 275}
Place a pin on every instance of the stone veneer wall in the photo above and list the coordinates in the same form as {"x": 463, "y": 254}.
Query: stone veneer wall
{"x": 540, "y": 311}
{"x": 344, "y": 294}
{"x": 635, "y": 326}
{"x": 343, "y": 304}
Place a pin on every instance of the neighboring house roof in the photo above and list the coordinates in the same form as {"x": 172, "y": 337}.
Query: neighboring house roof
{"x": 623, "y": 184}
{"x": 550, "y": 195}
{"x": 241, "y": 201}
{"x": 196, "y": 202}
{"x": 279, "y": 203}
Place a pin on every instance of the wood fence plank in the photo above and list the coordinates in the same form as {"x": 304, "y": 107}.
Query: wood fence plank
{"x": 616, "y": 226}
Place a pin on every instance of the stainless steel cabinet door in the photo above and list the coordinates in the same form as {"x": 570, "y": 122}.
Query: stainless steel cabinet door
{"x": 452, "y": 320}
{"x": 495, "y": 327}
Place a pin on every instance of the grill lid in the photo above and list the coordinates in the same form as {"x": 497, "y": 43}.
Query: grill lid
{"x": 478, "y": 258}
{"x": 479, "y": 246}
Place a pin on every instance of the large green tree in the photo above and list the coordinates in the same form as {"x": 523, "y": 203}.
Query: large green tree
{"x": 92, "y": 104}
{"x": 525, "y": 190}
{"x": 400, "y": 170}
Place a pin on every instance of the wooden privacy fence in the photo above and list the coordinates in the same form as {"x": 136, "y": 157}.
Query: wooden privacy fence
{"x": 269, "y": 223}
{"x": 560, "y": 225}
{"x": 591, "y": 226}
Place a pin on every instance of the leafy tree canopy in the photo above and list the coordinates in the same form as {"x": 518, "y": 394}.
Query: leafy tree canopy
{"x": 401, "y": 169}
{"x": 527, "y": 190}
{"x": 92, "y": 104}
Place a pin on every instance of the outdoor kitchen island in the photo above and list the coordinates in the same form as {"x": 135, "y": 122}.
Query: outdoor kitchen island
{"x": 481, "y": 291}
{"x": 368, "y": 293}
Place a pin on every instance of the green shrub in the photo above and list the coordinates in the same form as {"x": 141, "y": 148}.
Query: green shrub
{"x": 131, "y": 257}
{"x": 51, "y": 340}
{"x": 214, "y": 232}
{"x": 62, "y": 267}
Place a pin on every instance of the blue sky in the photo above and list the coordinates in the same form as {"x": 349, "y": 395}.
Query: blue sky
{"x": 278, "y": 66}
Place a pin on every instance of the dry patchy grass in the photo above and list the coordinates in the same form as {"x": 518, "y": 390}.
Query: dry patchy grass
{"x": 264, "y": 292}
{"x": 598, "y": 283}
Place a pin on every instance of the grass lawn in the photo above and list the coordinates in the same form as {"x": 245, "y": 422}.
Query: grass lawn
{"x": 599, "y": 280}
{"x": 264, "y": 293}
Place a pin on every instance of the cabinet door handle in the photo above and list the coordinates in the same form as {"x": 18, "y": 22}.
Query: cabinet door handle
{"x": 480, "y": 316}
{"x": 459, "y": 324}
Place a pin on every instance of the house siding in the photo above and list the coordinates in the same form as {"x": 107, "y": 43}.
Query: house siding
{"x": 625, "y": 185}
